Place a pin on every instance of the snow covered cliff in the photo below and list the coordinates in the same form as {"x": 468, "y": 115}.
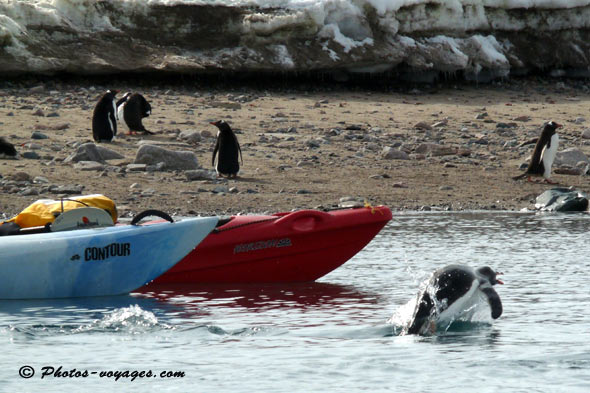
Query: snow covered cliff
{"x": 417, "y": 39}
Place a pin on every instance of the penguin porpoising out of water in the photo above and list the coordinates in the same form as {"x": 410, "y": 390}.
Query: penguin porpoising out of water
{"x": 451, "y": 291}
{"x": 228, "y": 147}
{"x": 544, "y": 154}
{"x": 7, "y": 149}
{"x": 131, "y": 108}
{"x": 104, "y": 118}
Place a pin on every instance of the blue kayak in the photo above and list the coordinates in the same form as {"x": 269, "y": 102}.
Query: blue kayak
{"x": 95, "y": 262}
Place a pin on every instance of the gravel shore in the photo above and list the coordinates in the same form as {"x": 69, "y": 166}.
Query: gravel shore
{"x": 412, "y": 148}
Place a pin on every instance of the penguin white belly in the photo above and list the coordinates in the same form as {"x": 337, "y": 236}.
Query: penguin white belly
{"x": 120, "y": 117}
{"x": 217, "y": 158}
{"x": 548, "y": 156}
{"x": 463, "y": 308}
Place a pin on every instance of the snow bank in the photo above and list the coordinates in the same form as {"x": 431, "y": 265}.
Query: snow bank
{"x": 474, "y": 37}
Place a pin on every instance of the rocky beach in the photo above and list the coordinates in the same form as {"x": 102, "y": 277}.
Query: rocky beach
{"x": 305, "y": 144}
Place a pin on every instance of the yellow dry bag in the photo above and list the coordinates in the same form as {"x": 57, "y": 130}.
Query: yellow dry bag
{"x": 44, "y": 211}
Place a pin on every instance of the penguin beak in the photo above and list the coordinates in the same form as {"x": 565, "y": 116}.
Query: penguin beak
{"x": 498, "y": 280}
{"x": 214, "y": 123}
{"x": 557, "y": 125}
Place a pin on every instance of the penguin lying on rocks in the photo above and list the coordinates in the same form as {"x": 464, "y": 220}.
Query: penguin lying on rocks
{"x": 544, "y": 154}
{"x": 228, "y": 147}
{"x": 451, "y": 291}
{"x": 132, "y": 108}
{"x": 104, "y": 118}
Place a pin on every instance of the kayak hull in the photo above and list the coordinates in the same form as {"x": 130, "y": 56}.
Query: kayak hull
{"x": 286, "y": 247}
{"x": 95, "y": 262}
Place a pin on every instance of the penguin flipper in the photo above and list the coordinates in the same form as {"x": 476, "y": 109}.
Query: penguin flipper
{"x": 421, "y": 314}
{"x": 215, "y": 152}
{"x": 494, "y": 301}
{"x": 120, "y": 101}
{"x": 113, "y": 122}
{"x": 238, "y": 145}
{"x": 529, "y": 142}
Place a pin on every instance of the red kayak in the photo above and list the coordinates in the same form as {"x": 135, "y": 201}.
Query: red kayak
{"x": 284, "y": 247}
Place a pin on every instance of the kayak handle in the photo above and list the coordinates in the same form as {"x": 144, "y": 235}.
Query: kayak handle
{"x": 148, "y": 213}
{"x": 303, "y": 220}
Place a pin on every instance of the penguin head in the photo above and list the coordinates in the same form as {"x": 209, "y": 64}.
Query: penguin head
{"x": 486, "y": 273}
{"x": 112, "y": 93}
{"x": 552, "y": 126}
{"x": 222, "y": 125}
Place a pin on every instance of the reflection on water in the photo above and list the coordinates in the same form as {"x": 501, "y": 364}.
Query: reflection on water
{"x": 257, "y": 297}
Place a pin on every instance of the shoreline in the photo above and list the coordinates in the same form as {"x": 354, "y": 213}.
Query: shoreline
{"x": 303, "y": 146}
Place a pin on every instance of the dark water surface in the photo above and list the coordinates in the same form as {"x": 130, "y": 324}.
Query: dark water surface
{"x": 336, "y": 334}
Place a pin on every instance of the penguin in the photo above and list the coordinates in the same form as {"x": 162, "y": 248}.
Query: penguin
{"x": 104, "y": 118}
{"x": 544, "y": 154}
{"x": 453, "y": 290}
{"x": 7, "y": 149}
{"x": 131, "y": 108}
{"x": 228, "y": 147}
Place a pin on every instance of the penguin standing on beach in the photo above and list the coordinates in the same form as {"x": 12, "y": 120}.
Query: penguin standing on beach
{"x": 7, "y": 149}
{"x": 451, "y": 291}
{"x": 131, "y": 109}
{"x": 228, "y": 147}
{"x": 104, "y": 118}
{"x": 544, "y": 154}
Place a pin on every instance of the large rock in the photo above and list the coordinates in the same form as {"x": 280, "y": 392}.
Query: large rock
{"x": 89, "y": 166}
{"x": 201, "y": 174}
{"x": 92, "y": 152}
{"x": 562, "y": 200}
{"x": 570, "y": 157}
{"x": 173, "y": 160}
{"x": 435, "y": 149}
{"x": 390, "y": 153}
{"x": 191, "y": 136}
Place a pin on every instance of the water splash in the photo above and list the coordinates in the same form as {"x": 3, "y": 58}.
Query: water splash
{"x": 128, "y": 320}
{"x": 132, "y": 320}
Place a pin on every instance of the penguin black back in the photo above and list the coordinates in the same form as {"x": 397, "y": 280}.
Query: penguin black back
{"x": 7, "y": 149}
{"x": 104, "y": 118}
{"x": 228, "y": 147}
{"x": 135, "y": 109}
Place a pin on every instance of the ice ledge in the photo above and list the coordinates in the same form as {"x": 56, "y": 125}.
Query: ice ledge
{"x": 420, "y": 40}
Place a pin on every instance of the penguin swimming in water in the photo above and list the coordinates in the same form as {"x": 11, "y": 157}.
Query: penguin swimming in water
{"x": 450, "y": 291}
{"x": 131, "y": 108}
{"x": 228, "y": 147}
{"x": 544, "y": 154}
{"x": 104, "y": 118}
{"x": 7, "y": 149}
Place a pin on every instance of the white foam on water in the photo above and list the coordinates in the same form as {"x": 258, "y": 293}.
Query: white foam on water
{"x": 130, "y": 318}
